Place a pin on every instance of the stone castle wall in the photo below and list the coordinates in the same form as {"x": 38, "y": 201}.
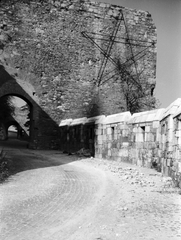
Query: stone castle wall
{"x": 176, "y": 163}
{"x": 149, "y": 139}
{"x": 170, "y": 141}
{"x": 50, "y": 63}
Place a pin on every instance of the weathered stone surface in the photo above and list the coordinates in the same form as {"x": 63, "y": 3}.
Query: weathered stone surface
{"x": 50, "y": 64}
{"x": 141, "y": 143}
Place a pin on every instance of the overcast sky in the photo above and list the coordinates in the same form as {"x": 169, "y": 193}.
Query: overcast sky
{"x": 166, "y": 15}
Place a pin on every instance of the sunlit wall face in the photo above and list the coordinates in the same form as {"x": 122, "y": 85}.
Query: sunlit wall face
{"x": 166, "y": 15}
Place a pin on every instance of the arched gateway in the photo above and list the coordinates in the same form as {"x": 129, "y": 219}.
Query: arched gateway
{"x": 42, "y": 128}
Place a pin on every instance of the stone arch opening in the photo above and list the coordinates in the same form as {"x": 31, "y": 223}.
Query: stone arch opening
{"x": 15, "y": 131}
{"x": 44, "y": 128}
{"x": 21, "y": 117}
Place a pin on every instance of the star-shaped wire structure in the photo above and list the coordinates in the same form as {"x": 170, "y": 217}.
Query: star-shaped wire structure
{"x": 127, "y": 69}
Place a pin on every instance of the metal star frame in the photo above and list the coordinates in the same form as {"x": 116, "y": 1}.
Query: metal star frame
{"x": 121, "y": 68}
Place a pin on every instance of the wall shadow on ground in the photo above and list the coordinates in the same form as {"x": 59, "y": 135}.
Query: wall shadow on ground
{"x": 21, "y": 159}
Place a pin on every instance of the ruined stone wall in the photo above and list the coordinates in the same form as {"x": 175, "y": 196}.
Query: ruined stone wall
{"x": 119, "y": 137}
{"x": 166, "y": 144}
{"x": 113, "y": 137}
{"x": 144, "y": 150}
{"x": 150, "y": 139}
{"x": 176, "y": 166}
{"x": 41, "y": 42}
{"x": 129, "y": 138}
{"x": 170, "y": 142}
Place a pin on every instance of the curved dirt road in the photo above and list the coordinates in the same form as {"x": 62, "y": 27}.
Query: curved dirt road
{"x": 51, "y": 196}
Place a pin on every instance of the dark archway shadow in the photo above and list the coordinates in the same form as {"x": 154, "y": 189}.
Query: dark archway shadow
{"x": 44, "y": 131}
{"x": 13, "y": 119}
{"x": 21, "y": 159}
{"x": 13, "y": 144}
{"x": 19, "y": 134}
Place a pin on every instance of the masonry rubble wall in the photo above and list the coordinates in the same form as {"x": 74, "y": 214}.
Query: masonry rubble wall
{"x": 144, "y": 145}
{"x": 176, "y": 168}
{"x": 43, "y": 42}
{"x": 150, "y": 139}
{"x": 48, "y": 55}
{"x": 112, "y": 137}
{"x": 170, "y": 139}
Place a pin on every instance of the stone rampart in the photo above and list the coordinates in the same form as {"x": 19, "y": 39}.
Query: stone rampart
{"x": 150, "y": 139}
{"x": 144, "y": 143}
{"x": 176, "y": 158}
{"x": 169, "y": 145}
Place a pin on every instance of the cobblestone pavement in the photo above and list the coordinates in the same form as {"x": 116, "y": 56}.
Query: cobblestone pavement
{"x": 51, "y": 196}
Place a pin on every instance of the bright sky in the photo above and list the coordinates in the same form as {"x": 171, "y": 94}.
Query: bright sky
{"x": 166, "y": 15}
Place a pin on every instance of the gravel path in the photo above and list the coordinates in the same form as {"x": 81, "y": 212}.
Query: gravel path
{"x": 51, "y": 196}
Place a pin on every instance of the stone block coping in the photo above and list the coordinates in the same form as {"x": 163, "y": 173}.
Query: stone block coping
{"x": 148, "y": 116}
{"x": 178, "y": 112}
{"x": 172, "y": 108}
{"x": 96, "y": 119}
{"x": 117, "y": 118}
{"x": 78, "y": 121}
{"x": 65, "y": 122}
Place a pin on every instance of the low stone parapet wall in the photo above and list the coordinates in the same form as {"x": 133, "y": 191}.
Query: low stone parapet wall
{"x": 150, "y": 139}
